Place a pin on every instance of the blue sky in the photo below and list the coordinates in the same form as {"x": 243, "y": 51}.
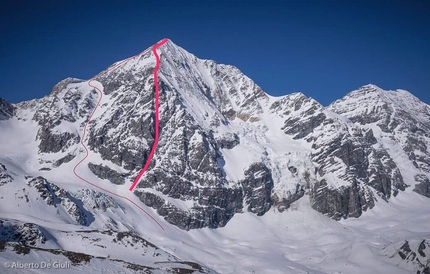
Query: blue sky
{"x": 322, "y": 48}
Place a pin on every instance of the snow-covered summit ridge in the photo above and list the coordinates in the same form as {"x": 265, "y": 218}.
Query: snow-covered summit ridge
{"x": 373, "y": 95}
{"x": 373, "y": 99}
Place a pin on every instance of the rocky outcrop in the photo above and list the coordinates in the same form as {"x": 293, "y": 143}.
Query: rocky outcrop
{"x": 4, "y": 176}
{"x": 343, "y": 202}
{"x": 25, "y": 233}
{"x": 228, "y": 141}
{"x": 58, "y": 197}
{"x": 52, "y": 142}
{"x": 257, "y": 188}
{"x": 63, "y": 160}
{"x": 415, "y": 255}
{"x": 423, "y": 186}
{"x": 214, "y": 207}
{"x": 384, "y": 175}
{"x": 104, "y": 172}
{"x": 303, "y": 114}
{"x": 6, "y": 109}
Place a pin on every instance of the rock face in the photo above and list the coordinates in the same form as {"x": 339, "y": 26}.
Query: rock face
{"x": 344, "y": 202}
{"x": 348, "y": 158}
{"x": 415, "y": 254}
{"x": 26, "y": 233}
{"x": 104, "y": 172}
{"x": 6, "y": 109}
{"x": 60, "y": 198}
{"x": 423, "y": 187}
{"x": 226, "y": 147}
{"x": 63, "y": 160}
{"x": 401, "y": 120}
{"x": 4, "y": 176}
{"x": 52, "y": 113}
{"x": 257, "y": 188}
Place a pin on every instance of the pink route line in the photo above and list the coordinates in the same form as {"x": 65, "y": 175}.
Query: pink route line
{"x": 154, "y": 48}
{"x": 154, "y": 146}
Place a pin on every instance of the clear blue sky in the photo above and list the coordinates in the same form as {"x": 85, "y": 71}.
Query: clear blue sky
{"x": 321, "y": 48}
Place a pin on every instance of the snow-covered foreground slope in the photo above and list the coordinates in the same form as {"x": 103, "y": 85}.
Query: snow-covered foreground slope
{"x": 241, "y": 182}
{"x": 299, "y": 240}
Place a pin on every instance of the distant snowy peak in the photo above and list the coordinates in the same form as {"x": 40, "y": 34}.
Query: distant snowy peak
{"x": 368, "y": 98}
{"x": 371, "y": 104}
{"x": 373, "y": 98}
{"x": 400, "y": 122}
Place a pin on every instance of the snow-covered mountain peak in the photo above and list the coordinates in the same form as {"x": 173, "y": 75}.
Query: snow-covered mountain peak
{"x": 373, "y": 99}
{"x": 226, "y": 152}
{"x": 371, "y": 86}
{"x": 174, "y": 50}
{"x": 63, "y": 83}
{"x": 399, "y": 120}
{"x": 374, "y": 94}
{"x": 367, "y": 92}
